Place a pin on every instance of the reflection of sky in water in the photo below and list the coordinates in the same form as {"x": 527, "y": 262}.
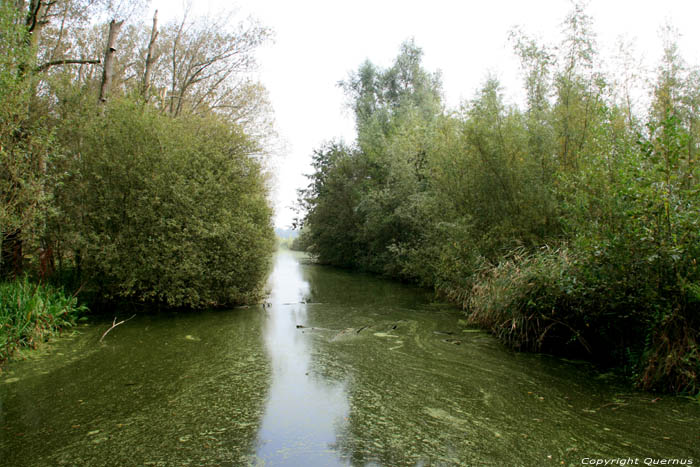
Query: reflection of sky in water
{"x": 303, "y": 411}
{"x": 204, "y": 388}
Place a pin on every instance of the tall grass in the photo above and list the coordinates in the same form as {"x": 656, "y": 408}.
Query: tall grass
{"x": 30, "y": 313}
{"x": 618, "y": 312}
{"x": 529, "y": 302}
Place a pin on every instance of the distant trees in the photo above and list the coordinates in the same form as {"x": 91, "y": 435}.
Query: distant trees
{"x": 132, "y": 154}
{"x": 369, "y": 189}
{"x": 568, "y": 226}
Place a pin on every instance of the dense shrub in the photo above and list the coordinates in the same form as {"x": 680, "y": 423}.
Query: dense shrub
{"x": 169, "y": 210}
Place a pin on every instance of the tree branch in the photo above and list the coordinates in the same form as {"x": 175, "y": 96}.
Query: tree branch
{"x": 33, "y": 16}
{"x": 114, "y": 325}
{"x": 66, "y": 61}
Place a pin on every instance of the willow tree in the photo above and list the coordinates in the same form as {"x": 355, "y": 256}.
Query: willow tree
{"x": 41, "y": 38}
{"x": 578, "y": 88}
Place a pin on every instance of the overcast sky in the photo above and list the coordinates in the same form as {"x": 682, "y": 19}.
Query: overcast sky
{"x": 318, "y": 42}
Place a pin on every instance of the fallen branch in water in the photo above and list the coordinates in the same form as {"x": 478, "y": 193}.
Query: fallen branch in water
{"x": 114, "y": 325}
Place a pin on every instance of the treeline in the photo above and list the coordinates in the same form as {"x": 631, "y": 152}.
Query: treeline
{"x": 133, "y": 154}
{"x": 569, "y": 226}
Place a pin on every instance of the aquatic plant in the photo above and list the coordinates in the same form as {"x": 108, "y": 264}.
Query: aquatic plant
{"x": 31, "y": 312}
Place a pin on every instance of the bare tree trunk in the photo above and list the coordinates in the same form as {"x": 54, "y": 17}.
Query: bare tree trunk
{"x": 108, "y": 67}
{"x": 150, "y": 57}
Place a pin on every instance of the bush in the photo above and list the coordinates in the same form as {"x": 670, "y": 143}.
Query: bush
{"x": 170, "y": 211}
{"x": 602, "y": 303}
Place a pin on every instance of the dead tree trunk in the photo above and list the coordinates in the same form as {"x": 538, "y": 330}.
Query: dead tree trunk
{"x": 108, "y": 67}
{"x": 150, "y": 56}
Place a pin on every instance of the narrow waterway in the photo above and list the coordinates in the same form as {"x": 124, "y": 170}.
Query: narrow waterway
{"x": 337, "y": 369}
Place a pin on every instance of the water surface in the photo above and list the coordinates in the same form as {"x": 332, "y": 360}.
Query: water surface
{"x": 337, "y": 369}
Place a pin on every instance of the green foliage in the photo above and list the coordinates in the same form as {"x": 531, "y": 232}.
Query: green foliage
{"x": 379, "y": 96}
{"x": 127, "y": 200}
{"x": 30, "y": 313}
{"x": 365, "y": 201}
{"x": 330, "y": 199}
{"x": 568, "y": 227}
{"x": 169, "y": 210}
{"x": 301, "y": 242}
{"x": 23, "y": 143}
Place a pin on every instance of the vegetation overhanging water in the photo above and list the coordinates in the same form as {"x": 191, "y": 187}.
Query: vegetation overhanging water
{"x": 339, "y": 369}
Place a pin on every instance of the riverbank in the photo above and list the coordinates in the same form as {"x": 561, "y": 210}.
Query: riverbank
{"x": 30, "y": 313}
{"x": 378, "y": 374}
{"x": 565, "y": 303}
{"x": 619, "y": 314}
{"x": 568, "y": 225}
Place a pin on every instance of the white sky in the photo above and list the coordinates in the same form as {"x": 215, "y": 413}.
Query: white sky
{"x": 319, "y": 42}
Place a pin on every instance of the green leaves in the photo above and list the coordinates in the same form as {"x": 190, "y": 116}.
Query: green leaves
{"x": 31, "y": 312}
{"x": 379, "y": 97}
{"x": 171, "y": 210}
{"x": 568, "y": 226}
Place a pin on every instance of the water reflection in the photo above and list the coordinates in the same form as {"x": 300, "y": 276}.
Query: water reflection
{"x": 304, "y": 410}
{"x": 379, "y": 376}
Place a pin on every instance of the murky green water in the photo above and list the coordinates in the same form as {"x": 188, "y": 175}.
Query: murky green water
{"x": 341, "y": 369}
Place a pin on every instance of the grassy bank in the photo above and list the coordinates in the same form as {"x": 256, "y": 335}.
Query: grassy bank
{"x": 619, "y": 314}
{"x": 30, "y": 313}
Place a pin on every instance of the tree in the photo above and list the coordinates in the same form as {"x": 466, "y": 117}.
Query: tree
{"x": 202, "y": 61}
{"x": 379, "y": 96}
{"x": 24, "y": 145}
{"x": 191, "y": 179}
{"x": 577, "y": 87}
{"x": 329, "y": 204}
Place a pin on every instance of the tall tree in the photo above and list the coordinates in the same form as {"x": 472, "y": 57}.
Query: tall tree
{"x": 203, "y": 62}
{"x": 577, "y": 86}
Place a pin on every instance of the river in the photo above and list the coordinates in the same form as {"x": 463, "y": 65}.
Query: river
{"x": 337, "y": 369}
